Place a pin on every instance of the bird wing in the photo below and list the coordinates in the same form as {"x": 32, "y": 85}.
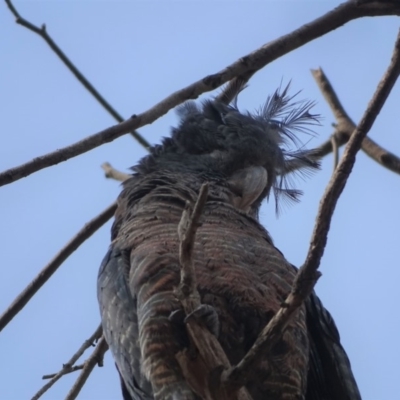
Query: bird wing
{"x": 136, "y": 286}
{"x": 330, "y": 375}
{"x": 120, "y": 325}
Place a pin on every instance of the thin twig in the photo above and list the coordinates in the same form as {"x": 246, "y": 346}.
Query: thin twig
{"x": 326, "y": 147}
{"x": 90, "y": 363}
{"x": 187, "y": 233}
{"x": 308, "y": 273}
{"x": 335, "y": 151}
{"x": 22, "y": 299}
{"x": 42, "y": 32}
{"x": 213, "y": 358}
{"x": 330, "y": 96}
{"x": 70, "y": 365}
{"x": 254, "y": 61}
{"x": 339, "y": 179}
{"x": 111, "y": 172}
{"x": 345, "y": 126}
{"x": 65, "y": 371}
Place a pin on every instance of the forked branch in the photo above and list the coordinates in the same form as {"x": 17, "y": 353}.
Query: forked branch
{"x": 345, "y": 126}
{"x": 95, "y": 359}
{"x": 70, "y": 365}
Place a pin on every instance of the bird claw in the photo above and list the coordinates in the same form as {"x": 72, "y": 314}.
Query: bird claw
{"x": 204, "y": 313}
{"x": 208, "y": 315}
{"x": 177, "y": 316}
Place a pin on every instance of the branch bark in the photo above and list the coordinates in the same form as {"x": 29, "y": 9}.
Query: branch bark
{"x": 345, "y": 126}
{"x": 335, "y": 150}
{"x": 213, "y": 358}
{"x": 234, "y": 87}
{"x": 111, "y": 172}
{"x": 308, "y": 274}
{"x": 23, "y": 298}
{"x": 42, "y": 32}
{"x": 254, "y": 61}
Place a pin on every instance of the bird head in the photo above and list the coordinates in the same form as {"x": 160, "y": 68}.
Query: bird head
{"x": 254, "y": 153}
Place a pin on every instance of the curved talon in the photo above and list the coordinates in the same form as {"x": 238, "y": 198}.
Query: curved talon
{"x": 208, "y": 315}
{"x": 177, "y": 316}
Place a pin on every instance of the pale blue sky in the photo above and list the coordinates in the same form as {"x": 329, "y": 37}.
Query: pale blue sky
{"x": 136, "y": 53}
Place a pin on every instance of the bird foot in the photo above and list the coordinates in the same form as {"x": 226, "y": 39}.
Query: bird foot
{"x": 208, "y": 315}
{"x": 205, "y": 313}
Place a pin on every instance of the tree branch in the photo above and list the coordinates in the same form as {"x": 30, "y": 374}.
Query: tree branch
{"x": 252, "y": 62}
{"x": 111, "y": 172}
{"x": 42, "y": 32}
{"x": 308, "y": 273}
{"x": 90, "y": 363}
{"x": 345, "y": 126}
{"x": 23, "y": 298}
{"x": 70, "y": 365}
{"x": 335, "y": 150}
{"x": 64, "y": 372}
{"x": 234, "y": 87}
{"x": 187, "y": 229}
{"x": 212, "y": 357}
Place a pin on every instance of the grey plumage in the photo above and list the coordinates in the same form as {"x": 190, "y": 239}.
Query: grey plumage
{"x": 245, "y": 157}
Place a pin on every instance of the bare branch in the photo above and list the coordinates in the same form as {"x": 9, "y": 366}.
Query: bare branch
{"x": 345, "y": 127}
{"x": 335, "y": 150}
{"x": 326, "y": 147}
{"x": 70, "y": 365}
{"x": 254, "y": 61}
{"x": 64, "y": 372}
{"x": 308, "y": 273}
{"x": 330, "y": 96}
{"x": 23, "y": 298}
{"x": 339, "y": 179}
{"x": 90, "y": 363}
{"x": 111, "y": 172}
{"x": 187, "y": 233}
{"x": 213, "y": 358}
{"x": 42, "y": 32}
{"x": 381, "y": 155}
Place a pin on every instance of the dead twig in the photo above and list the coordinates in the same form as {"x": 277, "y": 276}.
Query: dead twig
{"x": 90, "y": 363}
{"x": 67, "y": 370}
{"x": 23, "y": 298}
{"x": 42, "y": 32}
{"x": 70, "y": 365}
{"x": 187, "y": 233}
{"x": 335, "y": 151}
{"x": 111, "y": 172}
{"x": 308, "y": 273}
{"x": 254, "y": 61}
{"x": 213, "y": 358}
{"x": 345, "y": 126}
